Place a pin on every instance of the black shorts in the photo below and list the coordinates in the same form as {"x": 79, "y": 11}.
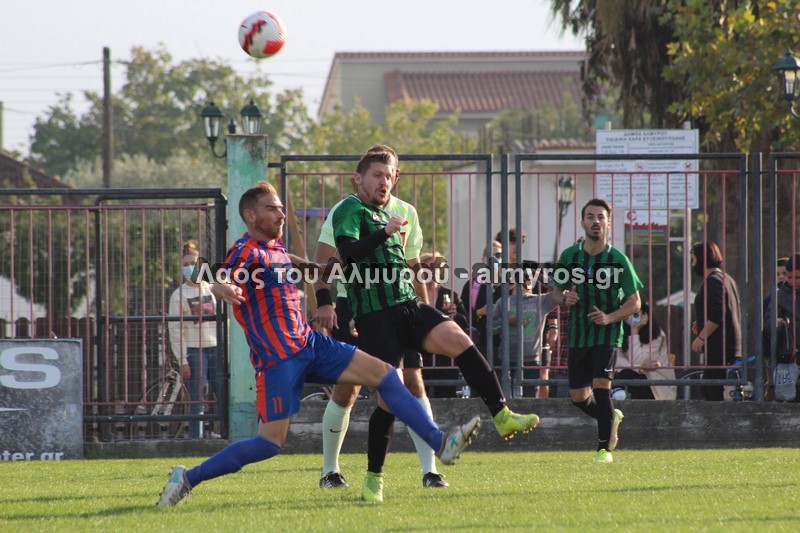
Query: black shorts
{"x": 585, "y": 364}
{"x": 411, "y": 358}
{"x": 390, "y": 333}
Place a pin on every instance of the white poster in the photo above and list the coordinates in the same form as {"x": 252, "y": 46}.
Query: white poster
{"x": 648, "y": 183}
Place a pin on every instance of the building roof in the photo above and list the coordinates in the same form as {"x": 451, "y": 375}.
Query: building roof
{"x": 380, "y": 78}
{"x": 509, "y": 54}
{"x": 485, "y": 91}
{"x": 16, "y": 174}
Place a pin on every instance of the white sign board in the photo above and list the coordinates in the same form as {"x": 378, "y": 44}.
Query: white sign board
{"x": 648, "y": 183}
{"x": 41, "y": 399}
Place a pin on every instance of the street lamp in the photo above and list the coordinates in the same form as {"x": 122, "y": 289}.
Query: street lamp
{"x": 565, "y": 192}
{"x": 212, "y": 118}
{"x": 787, "y": 68}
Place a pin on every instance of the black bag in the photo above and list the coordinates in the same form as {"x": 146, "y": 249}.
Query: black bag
{"x": 785, "y": 350}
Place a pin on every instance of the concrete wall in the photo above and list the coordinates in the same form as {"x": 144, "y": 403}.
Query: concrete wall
{"x": 647, "y": 425}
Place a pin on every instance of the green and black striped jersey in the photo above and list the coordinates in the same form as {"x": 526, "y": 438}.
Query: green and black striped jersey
{"x": 383, "y": 278}
{"x": 604, "y": 281}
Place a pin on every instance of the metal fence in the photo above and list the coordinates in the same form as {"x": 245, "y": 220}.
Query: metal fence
{"x": 463, "y": 202}
{"x": 100, "y": 265}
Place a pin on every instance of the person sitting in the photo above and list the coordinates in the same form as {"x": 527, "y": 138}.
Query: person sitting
{"x": 645, "y": 355}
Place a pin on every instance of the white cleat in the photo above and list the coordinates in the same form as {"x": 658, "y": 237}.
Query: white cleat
{"x": 176, "y": 489}
{"x": 457, "y": 440}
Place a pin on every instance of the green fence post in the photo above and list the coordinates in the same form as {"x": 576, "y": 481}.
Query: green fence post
{"x": 247, "y": 165}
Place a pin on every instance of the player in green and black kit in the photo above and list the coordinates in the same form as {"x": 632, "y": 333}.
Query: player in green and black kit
{"x": 603, "y": 290}
{"x": 389, "y": 318}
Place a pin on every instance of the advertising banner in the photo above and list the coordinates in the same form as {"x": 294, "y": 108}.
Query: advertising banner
{"x": 41, "y": 402}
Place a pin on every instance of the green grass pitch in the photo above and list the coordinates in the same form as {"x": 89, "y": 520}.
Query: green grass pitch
{"x": 687, "y": 490}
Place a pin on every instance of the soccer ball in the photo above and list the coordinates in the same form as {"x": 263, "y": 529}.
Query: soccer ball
{"x": 262, "y": 34}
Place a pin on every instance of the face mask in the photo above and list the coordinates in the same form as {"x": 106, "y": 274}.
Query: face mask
{"x": 634, "y": 320}
{"x": 188, "y": 271}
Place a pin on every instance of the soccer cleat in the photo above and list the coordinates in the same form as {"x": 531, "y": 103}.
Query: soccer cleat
{"x": 613, "y": 440}
{"x": 434, "y": 481}
{"x": 176, "y": 489}
{"x": 332, "y": 480}
{"x": 509, "y": 423}
{"x": 372, "y": 488}
{"x": 457, "y": 440}
{"x": 603, "y": 456}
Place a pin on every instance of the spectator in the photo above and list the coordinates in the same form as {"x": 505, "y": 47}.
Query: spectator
{"x": 535, "y": 308}
{"x": 442, "y": 298}
{"x": 788, "y": 313}
{"x": 557, "y": 340}
{"x": 781, "y": 272}
{"x": 645, "y": 355}
{"x": 717, "y": 323}
{"x": 475, "y": 293}
{"x": 194, "y": 340}
{"x": 512, "y": 243}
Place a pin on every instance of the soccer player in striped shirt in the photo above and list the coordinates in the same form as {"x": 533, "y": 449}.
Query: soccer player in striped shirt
{"x": 390, "y": 318}
{"x": 600, "y": 286}
{"x": 285, "y": 352}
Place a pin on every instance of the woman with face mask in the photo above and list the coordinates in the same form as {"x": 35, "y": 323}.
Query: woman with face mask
{"x": 645, "y": 355}
{"x": 194, "y": 338}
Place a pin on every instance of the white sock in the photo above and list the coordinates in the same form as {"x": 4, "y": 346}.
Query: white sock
{"x": 427, "y": 460}
{"x": 334, "y": 427}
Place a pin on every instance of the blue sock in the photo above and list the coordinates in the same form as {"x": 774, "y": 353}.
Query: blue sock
{"x": 232, "y": 458}
{"x": 408, "y": 410}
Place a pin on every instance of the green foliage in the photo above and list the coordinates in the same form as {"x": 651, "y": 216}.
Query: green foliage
{"x": 626, "y": 44}
{"x": 723, "y": 54}
{"x": 45, "y": 254}
{"x": 141, "y": 172}
{"x": 546, "y": 122}
{"x": 672, "y": 490}
{"x": 156, "y": 113}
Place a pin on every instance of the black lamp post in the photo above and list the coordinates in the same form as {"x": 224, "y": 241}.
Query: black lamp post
{"x": 565, "y": 192}
{"x": 212, "y": 118}
{"x": 787, "y": 68}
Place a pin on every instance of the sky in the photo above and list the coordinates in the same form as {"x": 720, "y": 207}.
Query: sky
{"x": 52, "y": 47}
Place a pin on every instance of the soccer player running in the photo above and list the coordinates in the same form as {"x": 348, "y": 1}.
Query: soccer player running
{"x": 285, "y": 352}
{"x": 600, "y": 285}
{"x": 388, "y": 315}
{"x": 336, "y": 419}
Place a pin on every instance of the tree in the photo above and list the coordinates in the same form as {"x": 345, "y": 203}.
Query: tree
{"x": 626, "y": 41}
{"x": 529, "y": 125}
{"x": 156, "y": 113}
{"x": 141, "y": 172}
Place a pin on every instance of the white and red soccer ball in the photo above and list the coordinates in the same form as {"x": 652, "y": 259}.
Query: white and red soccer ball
{"x": 262, "y": 34}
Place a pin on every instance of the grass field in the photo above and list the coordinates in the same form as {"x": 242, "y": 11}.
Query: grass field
{"x": 643, "y": 491}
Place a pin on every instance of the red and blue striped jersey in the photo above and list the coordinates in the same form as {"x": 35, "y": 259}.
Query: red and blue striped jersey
{"x": 271, "y": 317}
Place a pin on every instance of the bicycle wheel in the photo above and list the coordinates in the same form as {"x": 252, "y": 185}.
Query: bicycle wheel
{"x": 166, "y": 397}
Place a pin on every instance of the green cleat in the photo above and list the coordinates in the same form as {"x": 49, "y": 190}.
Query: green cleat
{"x": 614, "y": 438}
{"x": 372, "y": 488}
{"x": 508, "y": 423}
{"x": 603, "y": 456}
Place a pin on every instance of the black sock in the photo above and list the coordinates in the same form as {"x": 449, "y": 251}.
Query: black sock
{"x": 588, "y": 406}
{"x": 605, "y": 417}
{"x": 481, "y": 378}
{"x": 381, "y": 429}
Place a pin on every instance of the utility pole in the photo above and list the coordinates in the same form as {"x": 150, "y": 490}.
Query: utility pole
{"x": 108, "y": 132}
{"x": 1, "y": 126}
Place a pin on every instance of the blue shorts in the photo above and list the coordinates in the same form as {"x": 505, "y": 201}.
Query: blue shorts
{"x": 279, "y": 388}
